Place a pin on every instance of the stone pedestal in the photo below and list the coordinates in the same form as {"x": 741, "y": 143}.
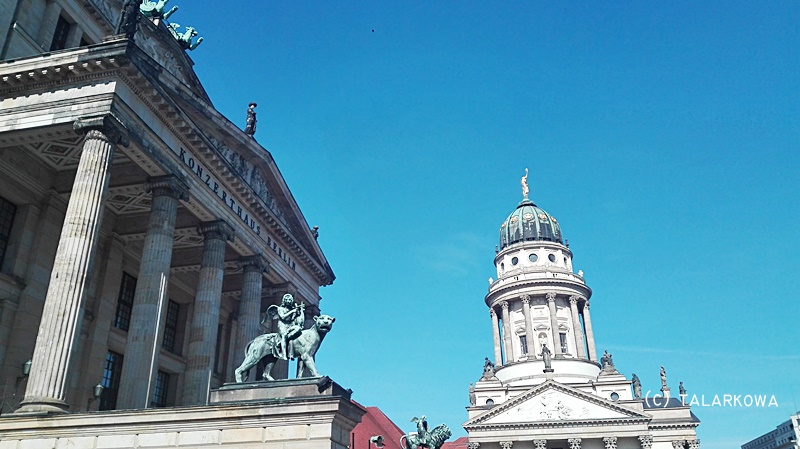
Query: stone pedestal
{"x": 71, "y": 275}
{"x": 308, "y": 387}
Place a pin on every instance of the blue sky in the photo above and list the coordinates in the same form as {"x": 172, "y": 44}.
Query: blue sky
{"x": 663, "y": 136}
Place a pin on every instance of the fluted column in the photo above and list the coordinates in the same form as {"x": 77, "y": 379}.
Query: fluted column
{"x": 576, "y": 326}
{"x": 551, "y": 304}
{"x": 507, "y": 333}
{"x": 587, "y": 321}
{"x": 145, "y": 332}
{"x": 526, "y": 311}
{"x": 250, "y": 303}
{"x": 205, "y": 319}
{"x": 77, "y": 250}
{"x": 498, "y": 355}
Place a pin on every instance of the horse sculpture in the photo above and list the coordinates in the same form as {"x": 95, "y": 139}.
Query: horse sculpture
{"x": 304, "y": 347}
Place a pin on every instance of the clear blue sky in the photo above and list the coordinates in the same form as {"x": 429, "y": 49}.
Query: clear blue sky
{"x": 662, "y": 135}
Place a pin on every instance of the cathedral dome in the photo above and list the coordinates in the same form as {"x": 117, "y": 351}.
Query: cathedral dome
{"x": 528, "y": 222}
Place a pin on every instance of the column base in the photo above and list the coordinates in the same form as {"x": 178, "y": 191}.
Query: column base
{"x": 42, "y": 406}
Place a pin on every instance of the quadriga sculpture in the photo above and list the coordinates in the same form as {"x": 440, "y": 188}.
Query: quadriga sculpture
{"x": 304, "y": 347}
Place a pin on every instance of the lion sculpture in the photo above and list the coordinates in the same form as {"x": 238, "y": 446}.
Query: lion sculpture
{"x": 432, "y": 440}
{"x": 304, "y": 347}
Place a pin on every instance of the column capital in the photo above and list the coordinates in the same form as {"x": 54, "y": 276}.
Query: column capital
{"x": 106, "y": 127}
{"x": 540, "y": 444}
{"x": 473, "y": 445}
{"x": 256, "y": 263}
{"x": 504, "y": 305}
{"x": 168, "y": 185}
{"x": 506, "y": 444}
{"x": 573, "y": 300}
{"x": 586, "y": 305}
{"x": 492, "y": 312}
{"x": 574, "y": 443}
{"x": 217, "y": 229}
{"x": 551, "y": 296}
{"x": 678, "y": 444}
{"x": 526, "y": 299}
{"x": 610, "y": 442}
{"x": 694, "y": 444}
{"x": 646, "y": 441}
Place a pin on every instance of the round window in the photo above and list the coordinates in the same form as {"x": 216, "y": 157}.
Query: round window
{"x": 490, "y": 401}
{"x": 533, "y": 257}
{"x": 514, "y": 261}
{"x": 614, "y": 396}
{"x": 552, "y": 257}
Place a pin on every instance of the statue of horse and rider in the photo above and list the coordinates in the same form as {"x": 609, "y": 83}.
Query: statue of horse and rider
{"x": 289, "y": 342}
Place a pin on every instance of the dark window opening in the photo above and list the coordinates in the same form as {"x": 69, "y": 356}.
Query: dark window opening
{"x": 7, "y": 212}
{"x": 563, "y": 342}
{"x": 523, "y": 343}
{"x": 125, "y": 302}
{"x": 160, "y": 390}
{"x": 171, "y": 326}
{"x": 111, "y": 374}
{"x": 60, "y": 36}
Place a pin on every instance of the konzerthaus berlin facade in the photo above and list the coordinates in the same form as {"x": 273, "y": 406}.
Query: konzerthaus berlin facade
{"x": 142, "y": 233}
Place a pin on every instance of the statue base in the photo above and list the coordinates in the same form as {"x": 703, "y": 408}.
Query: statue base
{"x": 269, "y": 390}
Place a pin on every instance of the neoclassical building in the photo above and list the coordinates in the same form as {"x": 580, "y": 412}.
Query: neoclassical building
{"x": 142, "y": 235}
{"x": 547, "y": 388}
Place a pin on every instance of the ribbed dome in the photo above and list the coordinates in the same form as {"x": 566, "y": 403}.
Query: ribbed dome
{"x": 529, "y": 223}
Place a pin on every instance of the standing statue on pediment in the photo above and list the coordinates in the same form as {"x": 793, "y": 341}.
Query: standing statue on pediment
{"x": 250, "y": 127}
{"x": 663, "y": 378}
{"x": 637, "y": 386}
{"x": 548, "y": 360}
{"x": 129, "y": 18}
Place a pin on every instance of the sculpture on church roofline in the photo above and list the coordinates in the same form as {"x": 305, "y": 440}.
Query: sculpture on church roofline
{"x": 488, "y": 368}
{"x": 637, "y": 386}
{"x": 524, "y": 182}
{"x": 663, "y": 378}
{"x": 291, "y": 341}
{"x": 185, "y": 39}
{"x": 424, "y": 437}
{"x": 156, "y": 9}
{"x": 250, "y": 126}
{"x": 129, "y": 18}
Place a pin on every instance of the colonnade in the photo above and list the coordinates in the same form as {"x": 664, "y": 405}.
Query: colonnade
{"x": 582, "y": 339}
{"x": 75, "y": 257}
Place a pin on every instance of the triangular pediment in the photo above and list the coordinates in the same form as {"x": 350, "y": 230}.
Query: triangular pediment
{"x": 553, "y": 402}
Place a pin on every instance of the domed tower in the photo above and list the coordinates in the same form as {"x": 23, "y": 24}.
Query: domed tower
{"x": 537, "y": 301}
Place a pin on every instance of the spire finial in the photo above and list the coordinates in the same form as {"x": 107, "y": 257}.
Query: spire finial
{"x": 524, "y": 183}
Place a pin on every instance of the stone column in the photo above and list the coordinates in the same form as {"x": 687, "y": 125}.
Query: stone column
{"x": 551, "y": 304}
{"x": 69, "y": 280}
{"x": 526, "y": 311}
{"x": 610, "y": 442}
{"x": 498, "y": 356}
{"x": 507, "y": 332}
{"x": 646, "y": 441}
{"x": 205, "y": 319}
{"x": 576, "y": 326}
{"x": 574, "y": 443}
{"x": 587, "y": 321}
{"x": 250, "y": 304}
{"x": 540, "y": 444}
{"x": 145, "y": 332}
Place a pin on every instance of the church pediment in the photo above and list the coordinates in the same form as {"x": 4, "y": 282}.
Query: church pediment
{"x": 553, "y": 402}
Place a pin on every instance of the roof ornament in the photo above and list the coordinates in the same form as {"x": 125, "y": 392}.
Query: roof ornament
{"x": 129, "y": 18}
{"x": 524, "y": 182}
{"x": 155, "y": 10}
{"x": 185, "y": 39}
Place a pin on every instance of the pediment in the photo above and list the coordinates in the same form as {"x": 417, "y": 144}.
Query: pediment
{"x": 553, "y": 402}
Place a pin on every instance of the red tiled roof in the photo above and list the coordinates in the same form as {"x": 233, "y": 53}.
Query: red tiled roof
{"x": 375, "y": 423}
{"x": 459, "y": 443}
